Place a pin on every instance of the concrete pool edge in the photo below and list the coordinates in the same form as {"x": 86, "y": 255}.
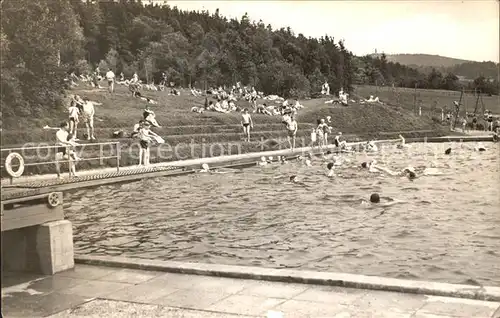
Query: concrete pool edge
{"x": 486, "y": 293}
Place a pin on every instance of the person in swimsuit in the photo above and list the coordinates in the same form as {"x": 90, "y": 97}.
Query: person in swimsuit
{"x": 370, "y": 166}
{"x": 313, "y": 138}
{"x": 464, "y": 124}
{"x": 402, "y": 144}
{"x": 262, "y": 161}
{"x": 247, "y": 123}
{"x": 137, "y": 127}
{"x": 474, "y": 122}
{"x": 408, "y": 172}
{"x": 322, "y": 132}
{"x": 145, "y": 137}
{"x": 110, "y": 76}
{"x": 338, "y": 143}
{"x": 282, "y": 160}
{"x": 64, "y": 151}
{"x": 371, "y": 146}
{"x": 490, "y": 121}
{"x": 292, "y": 132}
{"x": 330, "y": 167}
{"x": 74, "y": 111}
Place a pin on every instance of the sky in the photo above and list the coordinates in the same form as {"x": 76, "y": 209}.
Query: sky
{"x": 466, "y": 29}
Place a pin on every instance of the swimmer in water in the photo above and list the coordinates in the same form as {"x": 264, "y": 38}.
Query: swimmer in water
{"x": 375, "y": 201}
{"x": 328, "y": 156}
{"x": 480, "y": 147}
{"x": 402, "y": 143}
{"x": 406, "y": 172}
{"x": 262, "y": 161}
{"x": 205, "y": 168}
{"x": 305, "y": 160}
{"x": 295, "y": 180}
{"x": 371, "y": 146}
{"x": 370, "y": 166}
{"x": 373, "y": 167}
{"x": 330, "y": 166}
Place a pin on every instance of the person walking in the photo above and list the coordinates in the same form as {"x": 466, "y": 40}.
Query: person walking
{"x": 110, "y": 77}
{"x": 247, "y": 123}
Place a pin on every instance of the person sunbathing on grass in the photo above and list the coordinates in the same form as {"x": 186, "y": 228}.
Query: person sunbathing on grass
{"x": 343, "y": 98}
{"x": 371, "y": 100}
{"x": 195, "y": 109}
{"x": 262, "y": 109}
{"x": 146, "y": 99}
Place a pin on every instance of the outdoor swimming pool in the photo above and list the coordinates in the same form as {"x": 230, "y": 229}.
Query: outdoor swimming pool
{"x": 447, "y": 228}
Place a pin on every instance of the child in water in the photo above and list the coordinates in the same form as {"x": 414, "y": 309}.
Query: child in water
{"x": 330, "y": 166}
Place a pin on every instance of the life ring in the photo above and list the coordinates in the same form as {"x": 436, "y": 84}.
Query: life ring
{"x": 8, "y": 165}
{"x": 53, "y": 199}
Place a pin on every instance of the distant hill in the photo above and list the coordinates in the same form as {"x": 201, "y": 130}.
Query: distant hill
{"x": 425, "y": 60}
{"x": 464, "y": 68}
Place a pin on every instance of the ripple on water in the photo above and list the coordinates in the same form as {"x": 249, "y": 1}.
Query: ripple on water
{"x": 430, "y": 228}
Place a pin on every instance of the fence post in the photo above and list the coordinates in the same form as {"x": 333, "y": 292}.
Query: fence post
{"x": 118, "y": 156}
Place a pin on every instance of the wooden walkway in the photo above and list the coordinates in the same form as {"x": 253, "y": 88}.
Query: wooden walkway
{"x": 37, "y": 187}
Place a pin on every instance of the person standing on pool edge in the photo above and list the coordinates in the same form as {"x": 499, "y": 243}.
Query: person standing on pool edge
{"x": 247, "y": 123}
{"x": 292, "y": 131}
{"x": 145, "y": 138}
{"x": 65, "y": 151}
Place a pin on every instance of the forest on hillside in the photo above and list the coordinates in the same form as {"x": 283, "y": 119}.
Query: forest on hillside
{"x": 43, "y": 41}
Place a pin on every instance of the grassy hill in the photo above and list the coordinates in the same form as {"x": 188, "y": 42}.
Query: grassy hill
{"x": 192, "y": 135}
{"x": 426, "y": 60}
{"x": 431, "y": 100}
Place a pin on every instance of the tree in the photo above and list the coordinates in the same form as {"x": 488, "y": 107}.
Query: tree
{"x": 434, "y": 79}
{"x": 31, "y": 88}
{"x": 450, "y": 82}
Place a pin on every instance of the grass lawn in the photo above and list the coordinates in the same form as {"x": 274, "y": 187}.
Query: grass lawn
{"x": 432, "y": 100}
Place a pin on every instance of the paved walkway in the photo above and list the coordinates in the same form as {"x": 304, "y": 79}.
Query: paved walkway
{"x": 93, "y": 291}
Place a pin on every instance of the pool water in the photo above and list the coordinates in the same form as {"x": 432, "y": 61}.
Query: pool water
{"x": 441, "y": 228}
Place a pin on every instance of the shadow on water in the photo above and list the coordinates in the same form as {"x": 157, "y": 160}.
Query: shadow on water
{"x": 440, "y": 228}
